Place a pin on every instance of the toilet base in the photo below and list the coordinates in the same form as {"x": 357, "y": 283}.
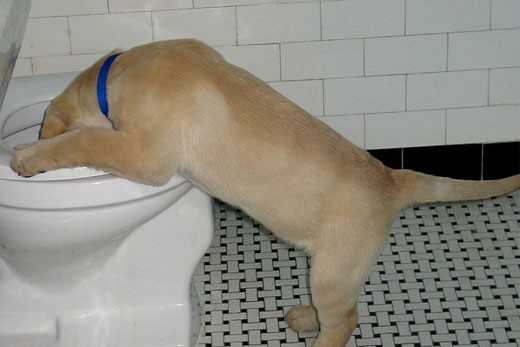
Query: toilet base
{"x": 142, "y": 296}
{"x": 132, "y": 327}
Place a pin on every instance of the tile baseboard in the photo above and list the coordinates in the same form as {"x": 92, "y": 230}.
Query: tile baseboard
{"x": 472, "y": 161}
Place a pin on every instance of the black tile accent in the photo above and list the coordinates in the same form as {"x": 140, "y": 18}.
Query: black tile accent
{"x": 501, "y": 160}
{"x": 474, "y": 161}
{"x": 390, "y": 157}
{"x": 460, "y": 161}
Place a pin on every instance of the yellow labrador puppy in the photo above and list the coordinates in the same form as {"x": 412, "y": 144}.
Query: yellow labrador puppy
{"x": 179, "y": 107}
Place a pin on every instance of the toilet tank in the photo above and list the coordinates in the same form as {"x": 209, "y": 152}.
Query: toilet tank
{"x": 13, "y": 18}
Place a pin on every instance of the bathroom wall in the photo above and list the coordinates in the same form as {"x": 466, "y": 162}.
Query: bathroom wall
{"x": 384, "y": 73}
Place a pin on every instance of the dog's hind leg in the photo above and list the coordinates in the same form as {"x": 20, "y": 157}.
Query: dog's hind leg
{"x": 334, "y": 294}
{"x": 339, "y": 267}
{"x": 335, "y": 285}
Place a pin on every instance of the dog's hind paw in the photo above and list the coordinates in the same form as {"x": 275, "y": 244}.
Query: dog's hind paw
{"x": 302, "y": 318}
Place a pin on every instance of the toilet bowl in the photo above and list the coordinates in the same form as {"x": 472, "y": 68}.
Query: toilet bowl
{"x": 87, "y": 258}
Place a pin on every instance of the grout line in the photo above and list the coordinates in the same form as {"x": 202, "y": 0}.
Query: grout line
{"x": 280, "y": 60}
{"x": 364, "y": 57}
{"x": 482, "y": 162}
{"x": 489, "y": 88}
{"x": 402, "y": 158}
{"x": 404, "y": 17}
{"x": 490, "y": 14}
{"x": 69, "y": 35}
{"x": 152, "y": 25}
{"x": 364, "y": 131}
{"x": 321, "y": 22}
{"x": 447, "y": 51}
{"x": 445, "y": 127}
{"x": 323, "y": 96}
{"x": 236, "y": 24}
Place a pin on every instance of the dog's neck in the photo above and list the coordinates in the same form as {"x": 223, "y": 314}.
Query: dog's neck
{"x": 101, "y": 87}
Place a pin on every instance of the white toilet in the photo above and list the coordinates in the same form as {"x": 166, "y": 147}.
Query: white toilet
{"x": 88, "y": 259}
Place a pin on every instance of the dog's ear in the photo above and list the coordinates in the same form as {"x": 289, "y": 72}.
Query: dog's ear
{"x": 53, "y": 124}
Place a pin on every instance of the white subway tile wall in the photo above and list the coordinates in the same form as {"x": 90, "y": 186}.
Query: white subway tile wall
{"x": 215, "y": 26}
{"x": 411, "y": 129}
{"x": 482, "y": 124}
{"x": 447, "y": 89}
{"x": 364, "y": 95}
{"x": 440, "y": 16}
{"x": 105, "y": 32}
{"x": 383, "y": 73}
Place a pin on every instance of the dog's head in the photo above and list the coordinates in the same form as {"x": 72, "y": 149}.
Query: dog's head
{"x": 75, "y": 108}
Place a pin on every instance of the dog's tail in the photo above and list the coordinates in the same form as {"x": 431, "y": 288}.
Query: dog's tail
{"x": 415, "y": 187}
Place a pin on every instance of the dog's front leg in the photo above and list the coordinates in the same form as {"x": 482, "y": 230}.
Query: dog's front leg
{"x": 113, "y": 151}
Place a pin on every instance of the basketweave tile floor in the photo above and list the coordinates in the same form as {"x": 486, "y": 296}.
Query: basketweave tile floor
{"x": 449, "y": 276}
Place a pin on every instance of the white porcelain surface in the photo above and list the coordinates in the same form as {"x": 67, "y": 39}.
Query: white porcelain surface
{"x": 13, "y": 19}
{"x": 135, "y": 292}
{"x": 40, "y": 90}
{"x": 90, "y": 259}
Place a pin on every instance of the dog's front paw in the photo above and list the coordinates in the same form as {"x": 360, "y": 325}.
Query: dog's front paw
{"x": 27, "y": 160}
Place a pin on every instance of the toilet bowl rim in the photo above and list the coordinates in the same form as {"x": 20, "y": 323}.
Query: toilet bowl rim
{"x": 28, "y": 91}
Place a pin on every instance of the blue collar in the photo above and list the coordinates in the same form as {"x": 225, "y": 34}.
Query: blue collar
{"x": 102, "y": 83}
